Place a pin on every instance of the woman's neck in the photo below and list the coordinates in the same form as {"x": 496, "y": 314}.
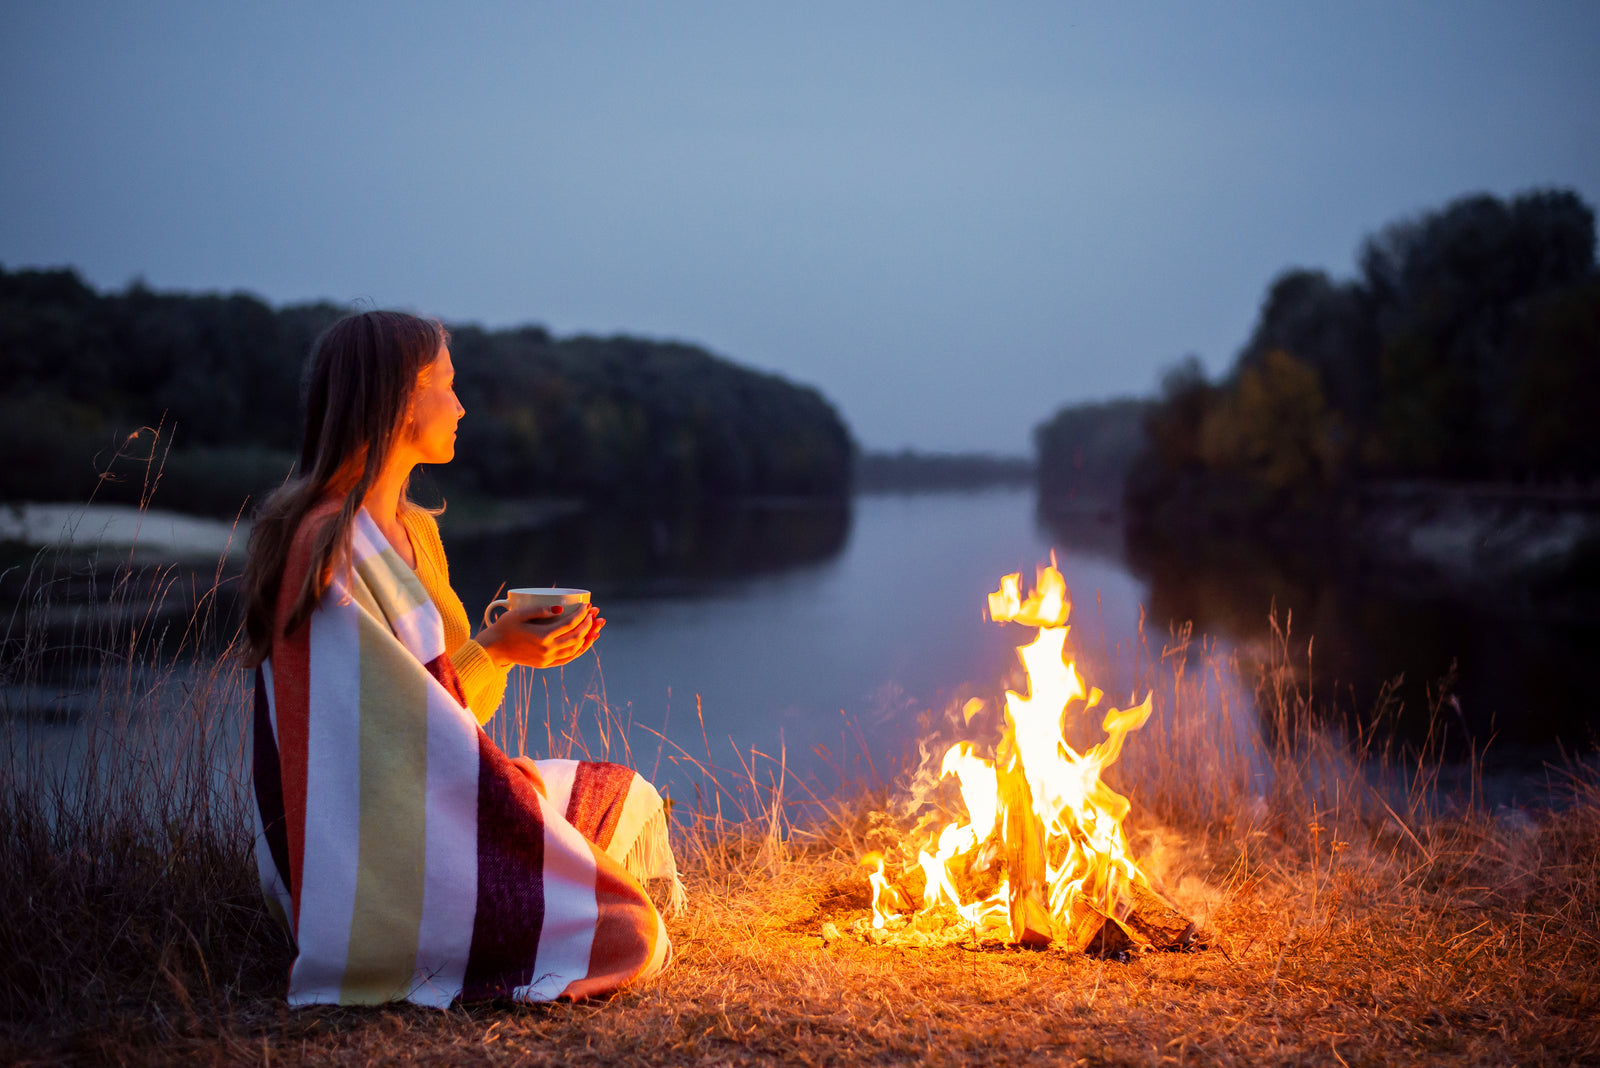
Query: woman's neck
{"x": 384, "y": 499}
{"x": 386, "y": 496}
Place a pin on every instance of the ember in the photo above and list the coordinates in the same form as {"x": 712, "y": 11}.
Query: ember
{"x": 1041, "y": 859}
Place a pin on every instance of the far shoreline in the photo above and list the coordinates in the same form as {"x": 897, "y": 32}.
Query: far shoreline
{"x": 150, "y": 535}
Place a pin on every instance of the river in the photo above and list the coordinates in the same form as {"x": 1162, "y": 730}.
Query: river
{"x": 785, "y": 628}
{"x": 834, "y": 638}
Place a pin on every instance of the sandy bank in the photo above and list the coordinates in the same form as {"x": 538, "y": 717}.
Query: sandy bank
{"x": 150, "y": 534}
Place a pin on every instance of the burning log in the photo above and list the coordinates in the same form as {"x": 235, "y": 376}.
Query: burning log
{"x": 902, "y": 894}
{"x": 1158, "y": 920}
{"x": 1115, "y": 940}
{"x": 1088, "y": 930}
{"x": 1028, "y": 892}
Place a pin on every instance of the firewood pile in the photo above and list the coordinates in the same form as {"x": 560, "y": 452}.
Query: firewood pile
{"x": 1149, "y": 923}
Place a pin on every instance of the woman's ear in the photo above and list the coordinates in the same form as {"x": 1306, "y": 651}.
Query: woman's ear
{"x": 408, "y": 422}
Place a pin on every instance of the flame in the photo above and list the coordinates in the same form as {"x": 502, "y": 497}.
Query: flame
{"x": 1047, "y": 606}
{"x": 1037, "y": 788}
{"x": 880, "y": 888}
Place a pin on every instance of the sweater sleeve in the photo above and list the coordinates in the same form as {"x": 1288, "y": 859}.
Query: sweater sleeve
{"x": 483, "y": 682}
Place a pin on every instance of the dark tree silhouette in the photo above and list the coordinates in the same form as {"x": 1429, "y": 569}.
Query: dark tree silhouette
{"x": 617, "y": 418}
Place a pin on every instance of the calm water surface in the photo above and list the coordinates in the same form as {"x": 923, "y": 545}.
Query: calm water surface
{"x": 830, "y": 633}
{"x": 798, "y": 627}
{"x": 870, "y": 618}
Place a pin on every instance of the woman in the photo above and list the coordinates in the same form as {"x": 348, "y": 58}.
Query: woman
{"x": 408, "y": 857}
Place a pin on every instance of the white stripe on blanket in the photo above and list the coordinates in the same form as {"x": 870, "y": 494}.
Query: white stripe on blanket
{"x": 558, "y": 776}
{"x": 333, "y": 802}
{"x": 448, "y": 897}
{"x": 570, "y": 908}
{"x": 639, "y": 841}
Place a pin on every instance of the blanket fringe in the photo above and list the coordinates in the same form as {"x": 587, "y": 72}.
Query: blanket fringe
{"x": 650, "y": 857}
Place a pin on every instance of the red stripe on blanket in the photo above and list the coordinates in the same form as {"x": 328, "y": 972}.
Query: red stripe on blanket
{"x": 443, "y": 668}
{"x": 510, "y": 907}
{"x": 599, "y": 790}
{"x": 624, "y": 934}
{"x": 291, "y": 677}
{"x": 291, "y": 672}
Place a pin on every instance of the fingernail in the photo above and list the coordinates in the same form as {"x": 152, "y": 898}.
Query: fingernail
{"x": 556, "y": 610}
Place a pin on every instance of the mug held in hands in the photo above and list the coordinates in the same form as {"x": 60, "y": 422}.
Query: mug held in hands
{"x": 571, "y": 601}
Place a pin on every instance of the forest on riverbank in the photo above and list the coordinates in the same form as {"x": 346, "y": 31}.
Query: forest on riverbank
{"x": 1465, "y": 352}
{"x": 204, "y": 389}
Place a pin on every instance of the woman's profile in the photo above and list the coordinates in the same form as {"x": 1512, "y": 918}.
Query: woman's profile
{"x": 407, "y": 856}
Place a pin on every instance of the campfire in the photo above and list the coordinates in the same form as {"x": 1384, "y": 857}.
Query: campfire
{"x": 1041, "y": 859}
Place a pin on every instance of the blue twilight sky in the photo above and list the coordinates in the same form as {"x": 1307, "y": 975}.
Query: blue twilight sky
{"x": 951, "y": 218}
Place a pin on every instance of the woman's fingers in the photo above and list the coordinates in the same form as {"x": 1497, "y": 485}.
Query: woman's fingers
{"x": 553, "y": 621}
{"x": 542, "y": 638}
{"x": 583, "y": 639}
{"x": 571, "y": 637}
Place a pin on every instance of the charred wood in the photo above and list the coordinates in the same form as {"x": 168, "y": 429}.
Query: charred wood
{"x": 1157, "y": 920}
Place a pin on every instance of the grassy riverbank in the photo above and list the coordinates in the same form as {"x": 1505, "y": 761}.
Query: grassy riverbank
{"x": 1373, "y": 955}
{"x": 1356, "y": 913}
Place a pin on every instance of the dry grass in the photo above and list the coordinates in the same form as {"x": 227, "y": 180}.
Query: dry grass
{"x": 1367, "y": 952}
{"x": 1357, "y": 914}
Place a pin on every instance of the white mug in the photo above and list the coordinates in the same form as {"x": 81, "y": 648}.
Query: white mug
{"x": 540, "y": 597}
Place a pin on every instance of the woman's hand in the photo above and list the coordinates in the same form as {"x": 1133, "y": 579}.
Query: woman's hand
{"x": 528, "y": 638}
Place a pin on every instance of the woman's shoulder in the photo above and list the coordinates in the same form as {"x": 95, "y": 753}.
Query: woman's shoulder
{"x": 298, "y": 558}
{"x": 317, "y": 516}
{"x": 316, "y": 519}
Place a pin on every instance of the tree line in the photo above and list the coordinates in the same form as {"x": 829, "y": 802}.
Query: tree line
{"x": 1084, "y": 452}
{"x": 214, "y": 381}
{"x": 909, "y": 471}
{"x": 1466, "y": 348}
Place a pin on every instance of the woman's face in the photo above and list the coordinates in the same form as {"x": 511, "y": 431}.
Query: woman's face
{"x": 435, "y": 411}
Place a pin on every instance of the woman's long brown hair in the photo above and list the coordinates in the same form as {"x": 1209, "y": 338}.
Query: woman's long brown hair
{"x": 358, "y": 386}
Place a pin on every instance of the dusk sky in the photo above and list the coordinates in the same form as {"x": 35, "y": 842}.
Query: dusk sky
{"x": 950, "y": 218}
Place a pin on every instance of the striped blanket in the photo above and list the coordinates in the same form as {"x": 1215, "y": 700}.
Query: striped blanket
{"x": 407, "y": 855}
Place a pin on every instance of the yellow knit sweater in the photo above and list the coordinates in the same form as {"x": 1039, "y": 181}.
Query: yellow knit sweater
{"x": 484, "y": 683}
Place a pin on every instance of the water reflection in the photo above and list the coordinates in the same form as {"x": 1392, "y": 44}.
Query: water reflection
{"x": 691, "y": 552}
{"x": 828, "y": 633}
{"x": 835, "y": 633}
{"x": 840, "y": 632}
{"x": 1509, "y": 671}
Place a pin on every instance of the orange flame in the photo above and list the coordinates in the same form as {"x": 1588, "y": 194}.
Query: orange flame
{"x": 1038, "y": 781}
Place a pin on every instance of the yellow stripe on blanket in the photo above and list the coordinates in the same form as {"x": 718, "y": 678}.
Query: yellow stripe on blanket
{"x": 390, "y": 869}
